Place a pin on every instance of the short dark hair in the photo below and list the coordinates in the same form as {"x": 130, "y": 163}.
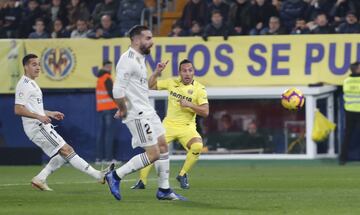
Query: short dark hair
{"x": 136, "y": 30}
{"x": 354, "y": 66}
{"x": 106, "y": 62}
{"x": 27, "y": 58}
{"x": 184, "y": 62}
{"x": 216, "y": 12}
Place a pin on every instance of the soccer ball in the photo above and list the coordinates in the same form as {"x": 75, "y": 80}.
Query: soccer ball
{"x": 292, "y": 99}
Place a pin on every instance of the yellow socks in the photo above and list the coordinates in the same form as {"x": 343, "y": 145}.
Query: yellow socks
{"x": 191, "y": 157}
{"x": 144, "y": 173}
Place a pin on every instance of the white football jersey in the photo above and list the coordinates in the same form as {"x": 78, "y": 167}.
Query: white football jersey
{"x": 29, "y": 94}
{"x": 131, "y": 81}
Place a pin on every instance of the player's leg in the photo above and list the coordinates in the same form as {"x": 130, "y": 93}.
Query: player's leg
{"x": 195, "y": 146}
{"x": 68, "y": 153}
{"x": 163, "y": 170}
{"x": 50, "y": 145}
{"x": 144, "y": 172}
{"x": 54, "y": 163}
{"x": 142, "y": 136}
{"x": 39, "y": 181}
{"x": 192, "y": 142}
{"x": 162, "y": 165}
{"x": 143, "y": 175}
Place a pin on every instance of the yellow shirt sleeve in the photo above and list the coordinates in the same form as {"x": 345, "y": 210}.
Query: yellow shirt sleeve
{"x": 202, "y": 96}
{"x": 163, "y": 84}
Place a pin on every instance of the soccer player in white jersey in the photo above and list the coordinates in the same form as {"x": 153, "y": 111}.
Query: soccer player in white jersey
{"x": 131, "y": 94}
{"x": 37, "y": 126}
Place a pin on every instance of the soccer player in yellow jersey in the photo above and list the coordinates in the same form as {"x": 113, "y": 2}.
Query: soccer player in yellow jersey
{"x": 187, "y": 98}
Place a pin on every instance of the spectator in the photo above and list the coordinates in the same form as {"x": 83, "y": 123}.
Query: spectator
{"x": 39, "y": 30}
{"x": 340, "y": 8}
{"x": 177, "y": 31}
{"x": 318, "y": 6}
{"x": 81, "y": 30}
{"x": 240, "y": 17}
{"x": 227, "y": 124}
{"x": 261, "y": 12}
{"x": 290, "y": 11}
{"x": 274, "y": 28}
{"x": 300, "y": 27}
{"x": 108, "y": 7}
{"x": 253, "y": 139}
{"x": 221, "y": 6}
{"x": 129, "y": 14}
{"x": 216, "y": 27}
{"x": 194, "y": 10}
{"x": 321, "y": 25}
{"x": 2, "y": 30}
{"x": 12, "y": 18}
{"x": 106, "y": 29}
{"x": 30, "y": 14}
{"x": 58, "y": 10}
{"x": 351, "y": 26}
{"x": 77, "y": 10}
{"x": 352, "y": 109}
{"x": 58, "y": 30}
{"x": 277, "y": 4}
{"x": 196, "y": 29}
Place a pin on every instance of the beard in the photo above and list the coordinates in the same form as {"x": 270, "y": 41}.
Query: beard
{"x": 145, "y": 50}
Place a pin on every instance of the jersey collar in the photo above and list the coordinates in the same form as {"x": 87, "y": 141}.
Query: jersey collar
{"x": 137, "y": 54}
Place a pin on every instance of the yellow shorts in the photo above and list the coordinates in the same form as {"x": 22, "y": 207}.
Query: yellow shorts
{"x": 183, "y": 134}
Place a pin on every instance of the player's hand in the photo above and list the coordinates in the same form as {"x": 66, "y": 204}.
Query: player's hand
{"x": 185, "y": 103}
{"x": 57, "y": 115}
{"x": 44, "y": 119}
{"x": 120, "y": 114}
{"x": 160, "y": 67}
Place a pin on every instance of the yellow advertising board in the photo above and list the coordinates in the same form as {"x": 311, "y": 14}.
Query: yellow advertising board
{"x": 238, "y": 61}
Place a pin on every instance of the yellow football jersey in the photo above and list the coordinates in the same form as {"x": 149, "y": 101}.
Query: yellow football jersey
{"x": 194, "y": 92}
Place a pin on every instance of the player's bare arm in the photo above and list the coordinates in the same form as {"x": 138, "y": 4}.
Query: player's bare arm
{"x": 21, "y": 110}
{"x": 201, "y": 110}
{"x": 122, "y": 111}
{"x": 55, "y": 114}
{"x": 153, "y": 78}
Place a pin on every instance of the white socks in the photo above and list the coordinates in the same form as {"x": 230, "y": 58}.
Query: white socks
{"x": 135, "y": 163}
{"x": 55, "y": 163}
{"x": 162, "y": 167}
{"x": 140, "y": 161}
{"x": 83, "y": 166}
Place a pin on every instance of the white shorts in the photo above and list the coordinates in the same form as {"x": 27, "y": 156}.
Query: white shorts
{"x": 48, "y": 140}
{"x": 145, "y": 132}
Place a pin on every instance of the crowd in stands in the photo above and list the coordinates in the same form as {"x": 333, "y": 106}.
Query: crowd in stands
{"x": 267, "y": 17}
{"x": 113, "y": 18}
{"x": 68, "y": 18}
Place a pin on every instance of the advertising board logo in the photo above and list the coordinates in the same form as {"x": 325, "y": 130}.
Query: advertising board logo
{"x": 58, "y": 63}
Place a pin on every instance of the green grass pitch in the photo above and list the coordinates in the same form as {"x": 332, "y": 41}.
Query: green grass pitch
{"x": 217, "y": 187}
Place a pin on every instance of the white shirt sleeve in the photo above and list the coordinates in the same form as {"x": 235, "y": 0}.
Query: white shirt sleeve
{"x": 21, "y": 95}
{"x": 124, "y": 71}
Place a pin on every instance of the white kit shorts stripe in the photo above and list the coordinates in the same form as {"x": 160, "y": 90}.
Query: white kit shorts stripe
{"x": 48, "y": 140}
{"x": 145, "y": 132}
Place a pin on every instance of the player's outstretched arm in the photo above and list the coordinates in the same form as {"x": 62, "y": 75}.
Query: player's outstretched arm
{"x": 201, "y": 110}
{"x": 153, "y": 78}
{"x": 21, "y": 110}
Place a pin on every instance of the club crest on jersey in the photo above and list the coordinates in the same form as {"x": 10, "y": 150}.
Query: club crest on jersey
{"x": 190, "y": 91}
{"x": 57, "y": 63}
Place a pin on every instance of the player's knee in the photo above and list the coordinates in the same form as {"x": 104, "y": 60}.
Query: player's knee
{"x": 153, "y": 153}
{"x": 66, "y": 150}
{"x": 196, "y": 148}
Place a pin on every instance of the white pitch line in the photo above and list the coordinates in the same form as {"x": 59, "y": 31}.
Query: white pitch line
{"x": 76, "y": 182}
